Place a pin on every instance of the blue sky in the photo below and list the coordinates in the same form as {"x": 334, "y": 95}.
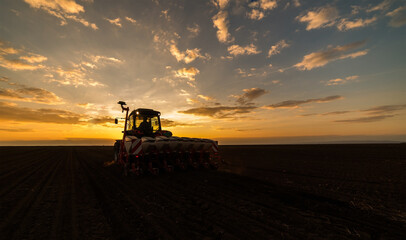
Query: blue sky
{"x": 216, "y": 69}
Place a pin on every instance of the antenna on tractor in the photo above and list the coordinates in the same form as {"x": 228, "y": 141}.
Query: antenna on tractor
{"x": 122, "y": 103}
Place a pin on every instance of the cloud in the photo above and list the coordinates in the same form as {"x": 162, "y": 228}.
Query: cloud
{"x": 23, "y": 63}
{"x": 398, "y": 17}
{"x": 16, "y": 65}
{"x": 34, "y": 58}
{"x": 219, "y": 112}
{"x": 259, "y": 8}
{"x": 249, "y": 95}
{"x": 132, "y": 20}
{"x": 115, "y": 21}
{"x": 384, "y": 5}
{"x": 7, "y": 50}
{"x": 68, "y": 6}
{"x": 345, "y": 24}
{"x": 101, "y": 120}
{"x": 365, "y": 119}
{"x": 296, "y": 103}
{"x": 74, "y": 76}
{"x": 379, "y": 110}
{"x": 194, "y": 30}
{"x": 86, "y": 105}
{"x": 16, "y": 130}
{"x": 239, "y": 50}
{"x": 221, "y": 23}
{"x": 188, "y": 73}
{"x": 296, "y": 3}
{"x": 206, "y": 98}
{"x": 30, "y": 94}
{"x": 276, "y": 49}
{"x": 267, "y": 4}
{"x": 98, "y": 58}
{"x": 319, "y": 17}
{"x": 188, "y": 56}
{"x": 166, "y": 15}
{"x": 79, "y": 74}
{"x": 12, "y": 112}
{"x": 170, "y": 123}
{"x": 42, "y": 115}
{"x": 319, "y": 59}
{"x": 340, "y": 81}
{"x": 220, "y": 4}
{"x": 62, "y": 9}
{"x": 255, "y": 14}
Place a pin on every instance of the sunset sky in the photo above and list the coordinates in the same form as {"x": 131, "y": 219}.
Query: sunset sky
{"x": 238, "y": 71}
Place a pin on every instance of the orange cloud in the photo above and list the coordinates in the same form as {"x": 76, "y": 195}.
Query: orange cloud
{"x": 188, "y": 73}
{"x": 62, "y": 9}
{"x": 30, "y": 94}
{"x": 319, "y": 59}
{"x": 246, "y": 50}
{"x": 296, "y": 103}
{"x": 319, "y": 18}
{"x": 346, "y": 24}
{"x": 276, "y": 49}
{"x": 221, "y": 23}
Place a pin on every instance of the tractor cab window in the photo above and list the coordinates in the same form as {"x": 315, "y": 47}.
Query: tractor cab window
{"x": 147, "y": 124}
{"x": 130, "y": 123}
{"x": 155, "y": 123}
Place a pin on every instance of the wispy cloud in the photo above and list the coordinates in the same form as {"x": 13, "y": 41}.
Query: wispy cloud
{"x": 62, "y": 9}
{"x": 194, "y": 30}
{"x": 131, "y": 20}
{"x": 188, "y": 73}
{"x": 26, "y": 60}
{"x": 34, "y": 58}
{"x": 171, "y": 123}
{"x": 30, "y": 94}
{"x": 80, "y": 74}
{"x": 296, "y": 103}
{"x": 384, "y": 5}
{"x": 187, "y": 56}
{"x": 319, "y": 17}
{"x": 365, "y": 119}
{"x": 346, "y": 24}
{"x": 384, "y": 109}
{"x": 219, "y": 112}
{"x": 16, "y": 64}
{"x": 276, "y": 49}
{"x": 249, "y": 95}
{"x": 243, "y": 50}
{"x": 340, "y": 81}
{"x": 15, "y": 113}
{"x": 206, "y": 98}
{"x": 116, "y": 21}
{"x": 398, "y": 17}
{"x": 42, "y": 115}
{"x": 14, "y": 130}
{"x": 374, "y": 114}
{"x": 319, "y": 59}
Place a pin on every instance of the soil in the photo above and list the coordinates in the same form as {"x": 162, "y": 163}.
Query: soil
{"x": 260, "y": 192}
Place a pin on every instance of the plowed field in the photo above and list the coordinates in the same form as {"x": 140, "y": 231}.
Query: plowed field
{"x": 261, "y": 192}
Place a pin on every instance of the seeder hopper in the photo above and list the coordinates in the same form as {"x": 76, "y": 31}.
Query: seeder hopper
{"x": 146, "y": 148}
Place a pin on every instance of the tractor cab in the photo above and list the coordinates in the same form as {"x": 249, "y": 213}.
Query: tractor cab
{"x": 144, "y": 121}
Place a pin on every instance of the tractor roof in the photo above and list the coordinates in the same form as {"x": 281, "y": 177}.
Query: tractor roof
{"x": 145, "y": 111}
